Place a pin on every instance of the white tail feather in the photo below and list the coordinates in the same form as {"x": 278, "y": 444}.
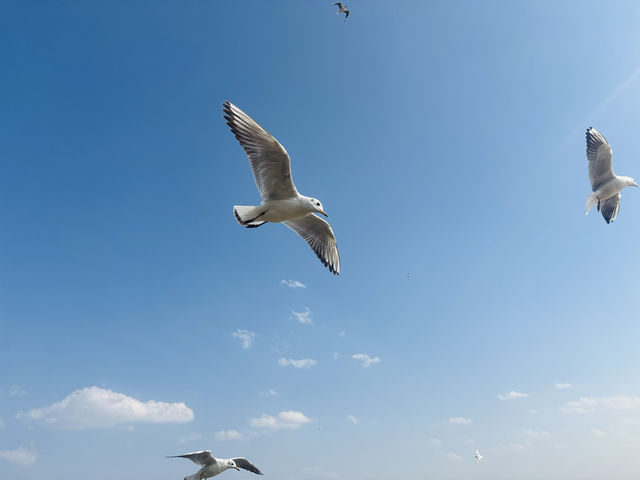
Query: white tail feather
{"x": 245, "y": 214}
{"x": 591, "y": 201}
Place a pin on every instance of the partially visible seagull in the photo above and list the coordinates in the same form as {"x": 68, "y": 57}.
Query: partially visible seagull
{"x": 478, "y": 457}
{"x": 212, "y": 466}
{"x": 281, "y": 202}
{"x": 341, "y": 9}
{"x": 605, "y": 184}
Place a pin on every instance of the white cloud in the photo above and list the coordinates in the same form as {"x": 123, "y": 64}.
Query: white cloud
{"x": 270, "y": 393}
{"x": 303, "y": 317}
{"x": 17, "y": 391}
{"x": 459, "y": 420}
{"x": 293, "y": 284}
{"x": 366, "y": 359}
{"x": 562, "y": 385}
{"x": 335, "y": 355}
{"x": 533, "y": 411}
{"x": 245, "y": 336}
{"x": 288, "y": 419}
{"x": 228, "y": 435}
{"x": 301, "y": 363}
{"x": 453, "y": 457}
{"x": 512, "y": 395}
{"x": 341, "y": 334}
{"x": 95, "y": 407}
{"x": 353, "y": 419}
{"x": 597, "y": 431}
{"x": 435, "y": 441}
{"x": 20, "y": 456}
{"x": 591, "y": 404}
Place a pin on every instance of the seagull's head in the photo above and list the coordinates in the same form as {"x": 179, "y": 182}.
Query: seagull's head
{"x": 317, "y": 206}
{"x": 232, "y": 464}
{"x": 630, "y": 182}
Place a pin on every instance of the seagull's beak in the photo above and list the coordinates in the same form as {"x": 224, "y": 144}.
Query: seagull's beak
{"x": 636, "y": 185}
{"x": 322, "y": 211}
{"x": 237, "y": 468}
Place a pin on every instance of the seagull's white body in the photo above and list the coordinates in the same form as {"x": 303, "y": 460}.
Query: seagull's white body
{"x": 281, "y": 202}
{"x": 478, "y": 457}
{"x": 605, "y": 184}
{"x": 212, "y": 466}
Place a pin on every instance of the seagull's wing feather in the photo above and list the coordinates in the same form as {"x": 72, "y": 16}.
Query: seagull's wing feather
{"x": 269, "y": 160}
{"x": 318, "y": 234}
{"x": 346, "y": 15}
{"x": 203, "y": 457}
{"x": 339, "y": 4}
{"x": 599, "y": 155}
{"x": 246, "y": 465}
{"x": 610, "y": 207}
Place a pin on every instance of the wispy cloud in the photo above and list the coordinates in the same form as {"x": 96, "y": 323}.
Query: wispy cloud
{"x": 20, "y": 456}
{"x": 17, "y": 391}
{"x": 353, "y": 419}
{"x": 536, "y": 434}
{"x": 366, "y": 359}
{"x": 562, "y": 385}
{"x": 512, "y": 395}
{"x": 435, "y": 441}
{"x": 228, "y": 435}
{"x": 597, "y": 431}
{"x": 591, "y": 404}
{"x": 293, "y": 284}
{"x": 95, "y": 407}
{"x": 303, "y": 317}
{"x": 458, "y": 420}
{"x": 283, "y": 420}
{"x": 300, "y": 363}
{"x": 454, "y": 457}
{"x": 317, "y": 472}
{"x": 245, "y": 336}
{"x": 191, "y": 437}
{"x": 270, "y": 393}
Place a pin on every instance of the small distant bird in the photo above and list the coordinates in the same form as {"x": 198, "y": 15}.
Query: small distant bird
{"x": 281, "y": 202}
{"x": 213, "y": 466}
{"x": 478, "y": 457}
{"x": 605, "y": 184}
{"x": 342, "y": 9}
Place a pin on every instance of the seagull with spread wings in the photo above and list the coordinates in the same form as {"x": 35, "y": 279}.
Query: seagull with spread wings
{"x": 281, "y": 202}
{"x": 212, "y": 466}
{"x": 605, "y": 184}
{"x": 342, "y": 9}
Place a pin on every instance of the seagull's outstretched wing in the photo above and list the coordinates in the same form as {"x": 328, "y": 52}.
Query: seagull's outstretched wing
{"x": 246, "y": 465}
{"x": 339, "y": 4}
{"x": 610, "y": 207}
{"x": 346, "y": 15}
{"x": 318, "y": 234}
{"x": 269, "y": 160}
{"x": 599, "y": 156}
{"x": 203, "y": 457}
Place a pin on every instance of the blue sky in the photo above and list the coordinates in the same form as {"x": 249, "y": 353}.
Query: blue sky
{"x": 445, "y": 139}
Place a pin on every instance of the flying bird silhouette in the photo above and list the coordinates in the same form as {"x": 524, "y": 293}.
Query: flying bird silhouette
{"x": 342, "y": 9}
{"x": 605, "y": 184}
